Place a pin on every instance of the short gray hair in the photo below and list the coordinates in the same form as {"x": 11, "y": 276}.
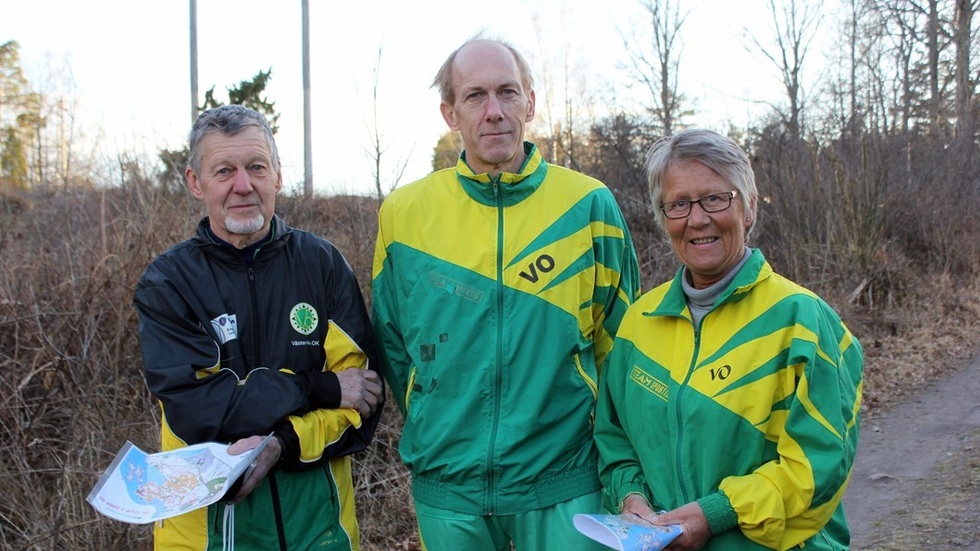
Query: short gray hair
{"x": 717, "y": 152}
{"x": 230, "y": 120}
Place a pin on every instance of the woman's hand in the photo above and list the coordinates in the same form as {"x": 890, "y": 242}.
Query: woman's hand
{"x": 637, "y": 505}
{"x": 691, "y": 518}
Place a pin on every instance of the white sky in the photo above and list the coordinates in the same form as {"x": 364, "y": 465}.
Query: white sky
{"x": 129, "y": 65}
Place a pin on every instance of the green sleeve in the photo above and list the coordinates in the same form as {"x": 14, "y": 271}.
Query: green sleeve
{"x": 719, "y": 513}
{"x": 617, "y": 273}
{"x": 619, "y": 465}
{"x": 392, "y": 355}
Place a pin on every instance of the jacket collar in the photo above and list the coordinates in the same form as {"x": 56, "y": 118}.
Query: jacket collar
{"x": 753, "y": 272}
{"x": 512, "y": 188}
{"x": 204, "y": 237}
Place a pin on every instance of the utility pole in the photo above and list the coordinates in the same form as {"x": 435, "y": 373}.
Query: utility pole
{"x": 307, "y": 127}
{"x": 193, "y": 18}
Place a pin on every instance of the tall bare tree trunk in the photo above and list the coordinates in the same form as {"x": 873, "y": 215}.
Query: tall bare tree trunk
{"x": 962, "y": 38}
{"x": 659, "y": 72}
{"x": 932, "y": 44}
{"x": 794, "y": 29}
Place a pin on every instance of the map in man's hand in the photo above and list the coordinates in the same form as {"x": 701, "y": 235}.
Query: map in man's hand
{"x": 139, "y": 488}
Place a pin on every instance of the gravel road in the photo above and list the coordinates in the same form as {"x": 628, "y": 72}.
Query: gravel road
{"x": 916, "y": 478}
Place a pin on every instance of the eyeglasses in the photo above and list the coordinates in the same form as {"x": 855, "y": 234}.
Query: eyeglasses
{"x": 715, "y": 202}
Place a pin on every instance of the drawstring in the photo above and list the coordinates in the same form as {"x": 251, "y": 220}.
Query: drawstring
{"x": 228, "y": 528}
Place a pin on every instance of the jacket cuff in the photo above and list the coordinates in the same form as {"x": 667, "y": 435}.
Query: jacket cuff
{"x": 323, "y": 390}
{"x": 289, "y": 442}
{"x": 629, "y": 489}
{"x": 719, "y": 513}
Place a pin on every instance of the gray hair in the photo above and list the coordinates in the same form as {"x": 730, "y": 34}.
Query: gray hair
{"x": 717, "y": 152}
{"x": 443, "y": 80}
{"x": 230, "y": 120}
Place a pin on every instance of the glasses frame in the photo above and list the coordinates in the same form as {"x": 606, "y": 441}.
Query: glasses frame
{"x": 731, "y": 195}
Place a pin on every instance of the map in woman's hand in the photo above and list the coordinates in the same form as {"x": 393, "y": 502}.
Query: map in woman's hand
{"x": 626, "y": 533}
{"x": 140, "y": 488}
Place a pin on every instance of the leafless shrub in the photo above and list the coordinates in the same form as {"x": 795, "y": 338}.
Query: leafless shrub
{"x": 69, "y": 366}
{"x": 71, "y": 387}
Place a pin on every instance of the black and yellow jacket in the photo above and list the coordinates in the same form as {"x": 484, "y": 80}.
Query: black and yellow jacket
{"x": 235, "y": 346}
{"x": 495, "y": 302}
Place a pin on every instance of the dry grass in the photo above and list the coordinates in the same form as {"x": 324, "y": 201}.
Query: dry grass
{"x": 71, "y": 389}
{"x": 908, "y": 347}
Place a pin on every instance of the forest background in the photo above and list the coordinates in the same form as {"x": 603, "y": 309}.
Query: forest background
{"x": 870, "y": 197}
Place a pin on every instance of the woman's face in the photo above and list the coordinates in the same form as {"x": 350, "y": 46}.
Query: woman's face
{"x": 709, "y": 244}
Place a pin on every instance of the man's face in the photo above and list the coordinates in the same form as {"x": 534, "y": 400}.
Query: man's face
{"x": 491, "y": 107}
{"x": 237, "y": 184}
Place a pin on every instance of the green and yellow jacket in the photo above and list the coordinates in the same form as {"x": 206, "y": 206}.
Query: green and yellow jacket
{"x": 754, "y": 414}
{"x": 495, "y": 302}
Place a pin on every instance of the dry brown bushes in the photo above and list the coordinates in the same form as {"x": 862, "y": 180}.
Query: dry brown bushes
{"x": 69, "y": 362}
{"x": 71, "y": 388}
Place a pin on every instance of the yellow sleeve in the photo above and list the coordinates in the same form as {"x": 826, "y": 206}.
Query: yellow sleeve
{"x": 320, "y": 428}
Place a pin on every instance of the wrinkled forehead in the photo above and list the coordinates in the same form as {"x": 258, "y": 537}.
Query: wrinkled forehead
{"x": 248, "y": 145}
{"x": 485, "y": 64}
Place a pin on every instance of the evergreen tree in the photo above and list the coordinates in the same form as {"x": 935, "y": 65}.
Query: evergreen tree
{"x": 248, "y": 93}
{"x": 446, "y": 152}
{"x": 13, "y": 146}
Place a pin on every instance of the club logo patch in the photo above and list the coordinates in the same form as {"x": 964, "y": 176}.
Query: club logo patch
{"x": 225, "y": 327}
{"x": 304, "y": 318}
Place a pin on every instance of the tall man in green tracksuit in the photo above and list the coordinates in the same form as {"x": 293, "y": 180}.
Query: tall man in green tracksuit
{"x": 498, "y": 288}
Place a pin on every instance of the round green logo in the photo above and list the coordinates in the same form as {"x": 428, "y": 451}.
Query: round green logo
{"x": 304, "y": 318}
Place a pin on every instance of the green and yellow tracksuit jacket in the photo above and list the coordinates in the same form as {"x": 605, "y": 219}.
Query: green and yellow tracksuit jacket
{"x": 495, "y": 301}
{"x": 754, "y": 414}
{"x": 235, "y": 347}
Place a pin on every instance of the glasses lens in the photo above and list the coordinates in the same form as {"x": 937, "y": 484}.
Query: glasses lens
{"x": 709, "y": 203}
{"x": 715, "y": 203}
{"x": 676, "y": 209}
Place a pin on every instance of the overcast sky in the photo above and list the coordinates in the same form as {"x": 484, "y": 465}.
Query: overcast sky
{"x": 129, "y": 65}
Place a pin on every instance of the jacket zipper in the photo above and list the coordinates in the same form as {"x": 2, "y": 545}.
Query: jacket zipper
{"x": 256, "y": 334}
{"x": 490, "y": 499}
{"x": 277, "y": 508}
{"x": 257, "y": 361}
{"x": 681, "y": 477}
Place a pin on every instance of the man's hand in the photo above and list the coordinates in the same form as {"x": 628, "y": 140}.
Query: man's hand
{"x": 266, "y": 459}
{"x": 360, "y": 389}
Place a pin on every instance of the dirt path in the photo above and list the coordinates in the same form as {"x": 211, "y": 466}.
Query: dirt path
{"x": 916, "y": 478}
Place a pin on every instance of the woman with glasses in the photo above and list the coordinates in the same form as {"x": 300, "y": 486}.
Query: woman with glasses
{"x": 730, "y": 402}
